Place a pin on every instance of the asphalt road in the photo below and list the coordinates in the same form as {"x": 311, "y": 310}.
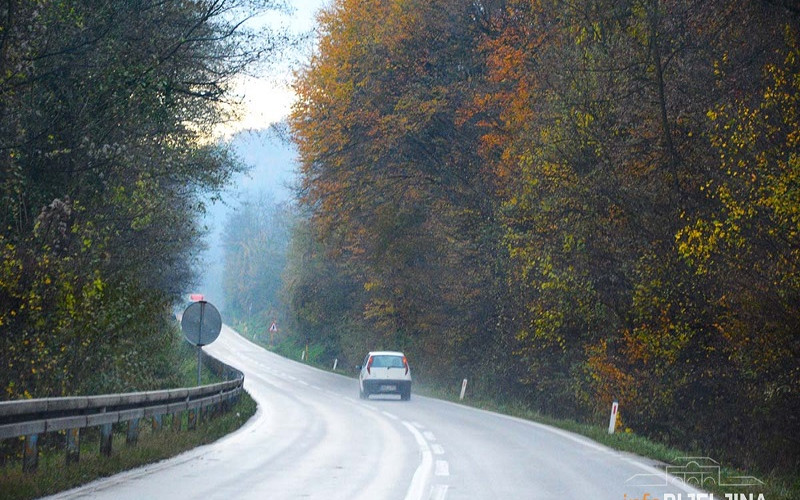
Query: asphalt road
{"x": 312, "y": 438}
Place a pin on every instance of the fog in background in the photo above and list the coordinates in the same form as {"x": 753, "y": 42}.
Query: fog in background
{"x": 272, "y": 163}
{"x": 271, "y": 159}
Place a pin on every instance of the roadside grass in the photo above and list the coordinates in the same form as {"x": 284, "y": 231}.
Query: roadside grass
{"x": 54, "y": 474}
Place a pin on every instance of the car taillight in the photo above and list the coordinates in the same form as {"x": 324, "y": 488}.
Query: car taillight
{"x": 369, "y": 365}
{"x": 405, "y": 363}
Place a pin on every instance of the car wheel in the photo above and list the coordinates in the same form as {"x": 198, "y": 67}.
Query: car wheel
{"x": 406, "y": 394}
{"x": 362, "y": 394}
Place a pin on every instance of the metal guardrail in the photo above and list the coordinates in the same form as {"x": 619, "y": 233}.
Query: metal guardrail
{"x": 33, "y": 417}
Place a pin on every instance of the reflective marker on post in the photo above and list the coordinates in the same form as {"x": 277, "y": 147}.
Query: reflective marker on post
{"x": 463, "y": 389}
{"x": 613, "y": 420}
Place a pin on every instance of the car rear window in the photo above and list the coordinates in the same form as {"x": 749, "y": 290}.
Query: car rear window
{"x": 387, "y": 362}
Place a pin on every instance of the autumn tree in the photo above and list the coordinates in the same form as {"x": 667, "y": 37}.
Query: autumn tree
{"x": 603, "y": 139}
{"x": 589, "y": 199}
{"x": 391, "y": 171}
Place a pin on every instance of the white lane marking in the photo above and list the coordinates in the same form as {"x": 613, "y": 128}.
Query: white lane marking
{"x": 423, "y": 473}
{"x": 390, "y": 415}
{"x": 437, "y": 449}
{"x": 442, "y": 468}
{"x": 438, "y": 492}
{"x": 303, "y": 382}
{"x": 418, "y": 425}
{"x": 429, "y": 436}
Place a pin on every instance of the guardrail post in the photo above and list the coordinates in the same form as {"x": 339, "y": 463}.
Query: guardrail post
{"x": 191, "y": 422}
{"x": 133, "y": 432}
{"x": 106, "y": 435}
{"x": 73, "y": 445}
{"x": 177, "y": 421}
{"x": 30, "y": 454}
{"x": 156, "y": 423}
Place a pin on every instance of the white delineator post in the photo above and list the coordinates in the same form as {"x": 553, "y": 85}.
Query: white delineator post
{"x": 612, "y": 423}
{"x": 463, "y": 389}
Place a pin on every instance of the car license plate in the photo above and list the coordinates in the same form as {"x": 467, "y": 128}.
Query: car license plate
{"x": 387, "y": 388}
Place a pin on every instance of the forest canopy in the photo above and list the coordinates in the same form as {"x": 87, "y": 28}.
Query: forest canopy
{"x": 566, "y": 202}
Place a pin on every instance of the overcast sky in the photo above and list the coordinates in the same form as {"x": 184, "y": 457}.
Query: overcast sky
{"x": 268, "y": 97}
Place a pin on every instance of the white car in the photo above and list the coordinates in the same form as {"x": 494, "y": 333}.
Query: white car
{"x": 384, "y": 372}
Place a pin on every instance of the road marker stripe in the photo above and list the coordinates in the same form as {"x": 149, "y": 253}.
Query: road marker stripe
{"x": 422, "y": 475}
{"x": 439, "y": 492}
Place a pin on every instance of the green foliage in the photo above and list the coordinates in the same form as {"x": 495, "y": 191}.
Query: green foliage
{"x": 108, "y": 108}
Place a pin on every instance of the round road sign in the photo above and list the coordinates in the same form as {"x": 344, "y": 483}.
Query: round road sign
{"x": 201, "y": 323}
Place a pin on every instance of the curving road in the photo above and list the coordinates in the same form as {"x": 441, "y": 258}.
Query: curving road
{"x": 312, "y": 438}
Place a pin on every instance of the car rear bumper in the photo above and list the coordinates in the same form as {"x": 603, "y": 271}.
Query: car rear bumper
{"x": 378, "y": 386}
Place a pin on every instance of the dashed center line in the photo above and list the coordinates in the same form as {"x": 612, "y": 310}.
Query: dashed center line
{"x": 439, "y": 492}
{"x": 423, "y": 486}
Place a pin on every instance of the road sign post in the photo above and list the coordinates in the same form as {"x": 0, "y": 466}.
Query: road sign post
{"x": 201, "y": 324}
{"x": 273, "y": 329}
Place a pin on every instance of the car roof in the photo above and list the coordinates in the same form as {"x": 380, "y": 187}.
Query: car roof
{"x": 385, "y": 353}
